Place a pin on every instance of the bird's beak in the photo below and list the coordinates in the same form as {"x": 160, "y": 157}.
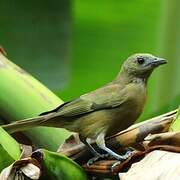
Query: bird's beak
{"x": 158, "y": 61}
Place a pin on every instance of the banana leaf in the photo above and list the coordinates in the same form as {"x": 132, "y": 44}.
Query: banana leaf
{"x": 58, "y": 166}
{"x": 9, "y": 149}
{"x": 22, "y": 96}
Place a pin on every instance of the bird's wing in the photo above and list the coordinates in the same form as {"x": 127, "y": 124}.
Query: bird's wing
{"x": 104, "y": 98}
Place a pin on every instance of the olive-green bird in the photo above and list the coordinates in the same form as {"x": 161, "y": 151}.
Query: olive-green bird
{"x": 106, "y": 110}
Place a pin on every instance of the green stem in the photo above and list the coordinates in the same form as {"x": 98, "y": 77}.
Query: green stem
{"x": 22, "y": 96}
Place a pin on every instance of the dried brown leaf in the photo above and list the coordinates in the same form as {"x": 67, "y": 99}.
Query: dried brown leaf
{"x": 159, "y": 165}
{"x": 27, "y": 167}
{"x": 168, "y": 138}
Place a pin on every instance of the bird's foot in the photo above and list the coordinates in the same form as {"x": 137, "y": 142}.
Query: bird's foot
{"x": 96, "y": 158}
{"x": 122, "y": 158}
{"x": 125, "y": 156}
{"x": 128, "y": 154}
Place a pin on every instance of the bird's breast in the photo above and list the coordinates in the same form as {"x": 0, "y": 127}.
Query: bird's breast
{"x": 129, "y": 111}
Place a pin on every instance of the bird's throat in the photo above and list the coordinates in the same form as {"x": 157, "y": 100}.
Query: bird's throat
{"x": 126, "y": 78}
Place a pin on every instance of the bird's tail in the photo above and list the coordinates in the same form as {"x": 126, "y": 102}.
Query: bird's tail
{"x": 25, "y": 124}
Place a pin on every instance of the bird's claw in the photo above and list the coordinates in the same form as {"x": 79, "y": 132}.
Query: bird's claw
{"x": 128, "y": 154}
{"x": 104, "y": 156}
{"x": 96, "y": 158}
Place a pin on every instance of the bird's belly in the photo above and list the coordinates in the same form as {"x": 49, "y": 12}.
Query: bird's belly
{"x": 122, "y": 119}
{"x": 124, "y": 116}
{"x": 91, "y": 125}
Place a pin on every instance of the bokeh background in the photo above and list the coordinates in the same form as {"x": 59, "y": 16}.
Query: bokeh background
{"x": 77, "y": 46}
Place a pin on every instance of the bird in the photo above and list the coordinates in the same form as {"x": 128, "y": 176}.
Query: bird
{"x": 104, "y": 111}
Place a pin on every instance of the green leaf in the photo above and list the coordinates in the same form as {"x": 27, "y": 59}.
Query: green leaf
{"x": 5, "y": 158}
{"x": 9, "y": 149}
{"x": 176, "y": 124}
{"x": 60, "y": 167}
{"x": 22, "y": 96}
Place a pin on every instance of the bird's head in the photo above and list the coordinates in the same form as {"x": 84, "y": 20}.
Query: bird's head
{"x": 141, "y": 65}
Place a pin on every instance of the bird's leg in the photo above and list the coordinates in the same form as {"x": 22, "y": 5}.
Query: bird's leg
{"x": 101, "y": 144}
{"x": 93, "y": 151}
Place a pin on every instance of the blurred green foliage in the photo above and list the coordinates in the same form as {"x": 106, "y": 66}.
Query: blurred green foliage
{"x": 36, "y": 36}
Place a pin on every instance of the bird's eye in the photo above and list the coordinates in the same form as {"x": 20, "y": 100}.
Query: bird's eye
{"x": 140, "y": 60}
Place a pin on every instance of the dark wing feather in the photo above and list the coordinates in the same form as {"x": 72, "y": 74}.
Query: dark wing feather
{"x": 54, "y": 110}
